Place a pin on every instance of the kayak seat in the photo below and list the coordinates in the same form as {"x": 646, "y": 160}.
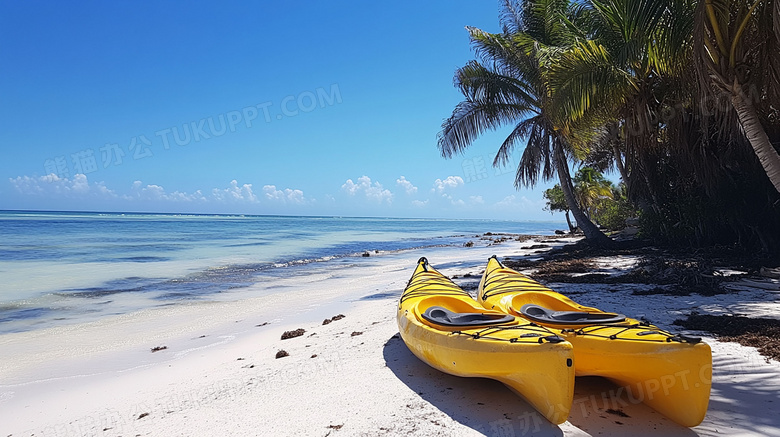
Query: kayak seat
{"x": 545, "y": 315}
{"x": 444, "y": 317}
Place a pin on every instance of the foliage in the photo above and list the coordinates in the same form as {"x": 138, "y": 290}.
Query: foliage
{"x": 509, "y": 85}
{"x": 681, "y": 97}
{"x": 590, "y": 187}
{"x": 555, "y": 199}
{"x": 613, "y": 212}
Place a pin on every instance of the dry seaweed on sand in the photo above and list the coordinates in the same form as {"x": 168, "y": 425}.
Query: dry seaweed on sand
{"x": 333, "y": 319}
{"x": 292, "y": 334}
{"x": 760, "y": 333}
{"x": 686, "y": 272}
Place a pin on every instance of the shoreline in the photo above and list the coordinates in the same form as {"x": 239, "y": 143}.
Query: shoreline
{"x": 129, "y": 264}
{"x": 218, "y": 374}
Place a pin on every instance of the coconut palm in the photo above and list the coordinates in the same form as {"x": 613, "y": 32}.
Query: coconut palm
{"x": 513, "y": 90}
{"x": 591, "y": 187}
{"x": 738, "y": 42}
{"x": 621, "y": 73}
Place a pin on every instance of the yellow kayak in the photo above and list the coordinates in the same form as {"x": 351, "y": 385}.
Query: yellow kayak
{"x": 671, "y": 373}
{"x": 446, "y": 328}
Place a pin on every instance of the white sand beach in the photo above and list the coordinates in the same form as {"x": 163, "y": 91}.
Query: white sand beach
{"x": 218, "y": 375}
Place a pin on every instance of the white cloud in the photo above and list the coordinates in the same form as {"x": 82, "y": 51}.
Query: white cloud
{"x": 372, "y": 190}
{"x": 406, "y": 185}
{"x": 522, "y": 202}
{"x": 419, "y": 203}
{"x": 450, "y": 182}
{"x": 508, "y": 201}
{"x": 157, "y": 193}
{"x": 455, "y": 202}
{"x": 350, "y": 187}
{"x": 52, "y": 184}
{"x": 235, "y": 193}
{"x": 478, "y": 200}
{"x": 286, "y": 196}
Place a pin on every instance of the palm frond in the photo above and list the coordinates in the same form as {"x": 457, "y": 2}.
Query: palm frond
{"x": 536, "y": 159}
{"x": 522, "y": 130}
{"x": 480, "y": 83}
{"x": 511, "y": 17}
{"x": 472, "y": 118}
{"x": 585, "y": 79}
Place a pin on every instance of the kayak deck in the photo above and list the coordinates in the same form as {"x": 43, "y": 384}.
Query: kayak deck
{"x": 673, "y": 371}
{"x": 447, "y": 329}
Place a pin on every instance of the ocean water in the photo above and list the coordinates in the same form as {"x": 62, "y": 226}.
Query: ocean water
{"x": 69, "y": 267}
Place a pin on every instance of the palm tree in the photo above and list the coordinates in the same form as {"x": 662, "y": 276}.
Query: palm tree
{"x": 619, "y": 74}
{"x": 738, "y": 42}
{"x": 590, "y": 187}
{"x": 514, "y": 90}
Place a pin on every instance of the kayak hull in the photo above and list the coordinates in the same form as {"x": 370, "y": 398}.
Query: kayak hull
{"x": 531, "y": 361}
{"x": 668, "y": 372}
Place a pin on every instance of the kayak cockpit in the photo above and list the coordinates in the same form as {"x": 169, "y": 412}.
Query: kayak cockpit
{"x": 442, "y": 316}
{"x": 544, "y": 315}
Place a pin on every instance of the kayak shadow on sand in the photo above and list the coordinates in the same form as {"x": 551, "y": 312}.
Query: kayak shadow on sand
{"x": 485, "y": 405}
{"x": 601, "y": 407}
{"x": 489, "y": 407}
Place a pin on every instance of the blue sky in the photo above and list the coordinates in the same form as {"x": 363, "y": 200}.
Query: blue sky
{"x": 313, "y": 108}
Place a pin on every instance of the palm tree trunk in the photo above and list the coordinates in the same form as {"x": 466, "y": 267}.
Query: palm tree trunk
{"x": 755, "y": 133}
{"x": 568, "y": 222}
{"x": 621, "y": 167}
{"x": 592, "y": 233}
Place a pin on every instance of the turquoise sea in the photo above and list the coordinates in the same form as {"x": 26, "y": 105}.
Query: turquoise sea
{"x": 69, "y": 267}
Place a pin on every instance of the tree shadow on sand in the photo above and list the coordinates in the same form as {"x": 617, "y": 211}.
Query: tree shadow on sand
{"x": 745, "y": 396}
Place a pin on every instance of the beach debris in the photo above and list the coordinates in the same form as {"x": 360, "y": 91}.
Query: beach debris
{"x": 772, "y": 285}
{"x": 240, "y": 359}
{"x": 617, "y": 412}
{"x": 333, "y": 319}
{"x": 760, "y": 333}
{"x": 282, "y": 353}
{"x": 354, "y": 333}
{"x": 314, "y": 356}
{"x": 292, "y": 334}
{"x": 366, "y": 254}
{"x": 142, "y": 415}
{"x": 468, "y": 244}
{"x": 262, "y": 324}
{"x": 336, "y": 427}
{"x": 159, "y": 348}
{"x": 770, "y": 273}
